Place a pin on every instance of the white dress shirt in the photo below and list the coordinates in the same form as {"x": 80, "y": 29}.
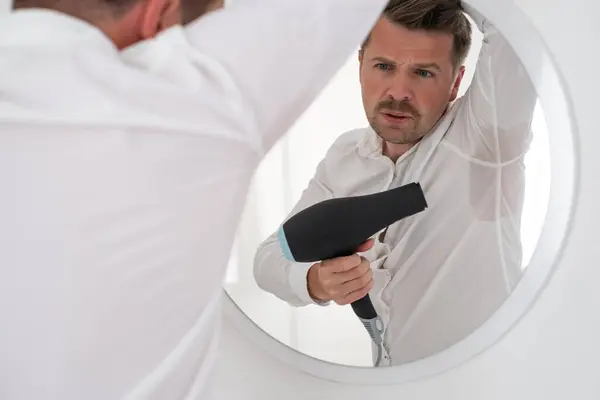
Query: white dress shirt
{"x": 123, "y": 179}
{"x": 440, "y": 274}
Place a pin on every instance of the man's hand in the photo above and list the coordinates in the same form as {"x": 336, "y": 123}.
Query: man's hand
{"x": 342, "y": 280}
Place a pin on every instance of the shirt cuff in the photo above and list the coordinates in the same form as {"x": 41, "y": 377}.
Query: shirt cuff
{"x": 298, "y": 280}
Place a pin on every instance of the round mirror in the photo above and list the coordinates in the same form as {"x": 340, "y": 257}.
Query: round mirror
{"x": 403, "y": 110}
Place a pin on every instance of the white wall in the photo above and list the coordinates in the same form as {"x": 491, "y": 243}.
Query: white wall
{"x": 333, "y": 333}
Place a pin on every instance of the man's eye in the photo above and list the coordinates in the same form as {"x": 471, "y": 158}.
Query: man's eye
{"x": 424, "y": 74}
{"x": 383, "y": 66}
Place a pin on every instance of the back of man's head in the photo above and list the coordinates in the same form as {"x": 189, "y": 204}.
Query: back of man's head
{"x": 126, "y": 22}
{"x": 192, "y": 9}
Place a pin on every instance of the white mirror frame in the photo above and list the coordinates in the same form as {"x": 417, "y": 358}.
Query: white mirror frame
{"x": 557, "y": 108}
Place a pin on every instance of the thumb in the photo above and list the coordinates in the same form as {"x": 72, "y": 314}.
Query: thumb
{"x": 366, "y": 246}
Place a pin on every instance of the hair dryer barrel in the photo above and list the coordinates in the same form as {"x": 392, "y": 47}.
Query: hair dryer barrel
{"x": 336, "y": 227}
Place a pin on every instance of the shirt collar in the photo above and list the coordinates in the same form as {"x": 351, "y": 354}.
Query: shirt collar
{"x": 37, "y": 26}
{"x": 369, "y": 144}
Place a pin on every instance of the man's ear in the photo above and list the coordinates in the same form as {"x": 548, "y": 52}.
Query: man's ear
{"x": 457, "y": 81}
{"x": 158, "y": 15}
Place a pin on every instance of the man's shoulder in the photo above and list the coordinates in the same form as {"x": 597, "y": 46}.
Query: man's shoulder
{"x": 349, "y": 140}
{"x": 343, "y": 151}
{"x": 343, "y": 168}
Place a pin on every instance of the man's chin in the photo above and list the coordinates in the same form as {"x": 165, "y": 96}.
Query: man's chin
{"x": 395, "y": 137}
{"x": 399, "y": 141}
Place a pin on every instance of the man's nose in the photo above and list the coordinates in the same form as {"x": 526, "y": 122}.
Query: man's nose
{"x": 401, "y": 87}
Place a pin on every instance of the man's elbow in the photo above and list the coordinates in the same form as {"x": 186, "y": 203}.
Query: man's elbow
{"x": 260, "y": 267}
{"x": 257, "y": 271}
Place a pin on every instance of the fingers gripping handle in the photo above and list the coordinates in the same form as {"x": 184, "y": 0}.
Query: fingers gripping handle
{"x": 337, "y": 227}
{"x": 363, "y": 308}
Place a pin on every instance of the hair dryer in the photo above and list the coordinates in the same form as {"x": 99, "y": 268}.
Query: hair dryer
{"x": 337, "y": 227}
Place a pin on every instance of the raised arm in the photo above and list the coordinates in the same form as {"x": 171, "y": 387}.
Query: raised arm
{"x": 282, "y": 53}
{"x": 499, "y": 105}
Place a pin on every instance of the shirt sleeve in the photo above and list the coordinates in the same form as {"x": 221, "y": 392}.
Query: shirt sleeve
{"x": 497, "y": 109}
{"x": 272, "y": 271}
{"x": 282, "y": 53}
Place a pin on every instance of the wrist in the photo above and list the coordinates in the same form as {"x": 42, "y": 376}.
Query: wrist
{"x": 315, "y": 290}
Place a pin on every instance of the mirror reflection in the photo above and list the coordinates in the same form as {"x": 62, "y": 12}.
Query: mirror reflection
{"x": 434, "y": 96}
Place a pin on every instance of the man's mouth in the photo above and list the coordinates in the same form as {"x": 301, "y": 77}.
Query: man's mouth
{"x": 396, "y": 116}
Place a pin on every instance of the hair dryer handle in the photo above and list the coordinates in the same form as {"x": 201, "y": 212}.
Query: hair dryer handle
{"x": 364, "y": 309}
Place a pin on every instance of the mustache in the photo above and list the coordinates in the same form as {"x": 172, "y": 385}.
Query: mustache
{"x": 402, "y": 106}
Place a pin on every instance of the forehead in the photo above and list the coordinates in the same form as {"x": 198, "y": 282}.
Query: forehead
{"x": 399, "y": 43}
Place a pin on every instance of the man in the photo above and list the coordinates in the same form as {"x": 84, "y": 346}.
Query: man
{"x": 124, "y": 174}
{"x": 437, "y": 276}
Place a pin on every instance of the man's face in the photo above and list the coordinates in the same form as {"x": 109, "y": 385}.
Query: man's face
{"x": 407, "y": 80}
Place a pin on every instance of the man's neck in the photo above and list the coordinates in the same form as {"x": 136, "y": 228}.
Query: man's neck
{"x": 394, "y": 151}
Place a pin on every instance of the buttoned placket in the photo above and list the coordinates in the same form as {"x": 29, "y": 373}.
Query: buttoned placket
{"x": 395, "y": 176}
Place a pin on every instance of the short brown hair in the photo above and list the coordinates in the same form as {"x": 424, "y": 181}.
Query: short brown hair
{"x": 434, "y": 15}
{"x": 192, "y": 9}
